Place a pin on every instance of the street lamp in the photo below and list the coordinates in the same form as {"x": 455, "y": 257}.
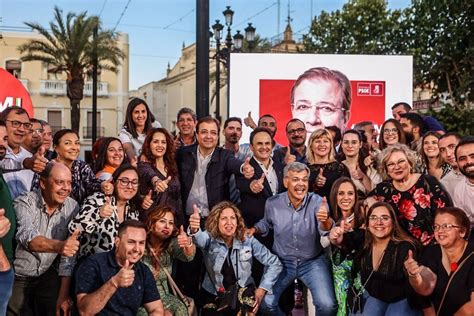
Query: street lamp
{"x": 232, "y": 44}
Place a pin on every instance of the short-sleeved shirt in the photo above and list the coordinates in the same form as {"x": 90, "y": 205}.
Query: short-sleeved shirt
{"x": 137, "y": 142}
{"x": 96, "y": 270}
{"x": 462, "y": 285}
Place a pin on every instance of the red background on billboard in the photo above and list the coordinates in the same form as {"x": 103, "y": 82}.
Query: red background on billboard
{"x": 275, "y": 100}
{"x": 12, "y": 87}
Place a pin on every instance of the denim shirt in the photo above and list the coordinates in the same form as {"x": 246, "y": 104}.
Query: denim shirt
{"x": 296, "y": 232}
{"x": 215, "y": 253}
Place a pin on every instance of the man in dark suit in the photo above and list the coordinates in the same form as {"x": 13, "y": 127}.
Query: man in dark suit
{"x": 204, "y": 173}
{"x": 267, "y": 180}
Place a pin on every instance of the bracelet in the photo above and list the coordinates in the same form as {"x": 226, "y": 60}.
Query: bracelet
{"x": 113, "y": 283}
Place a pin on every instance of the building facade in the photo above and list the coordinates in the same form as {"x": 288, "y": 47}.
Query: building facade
{"x": 48, "y": 90}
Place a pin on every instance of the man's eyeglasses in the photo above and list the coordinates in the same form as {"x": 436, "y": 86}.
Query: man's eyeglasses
{"x": 296, "y": 130}
{"x": 17, "y": 124}
{"x": 445, "y": 227}
{"x": 383, "y": 218}
{"x": 38, "y": 131}
{"x": 302, "y": 107}
{"x": 125, "y": 182}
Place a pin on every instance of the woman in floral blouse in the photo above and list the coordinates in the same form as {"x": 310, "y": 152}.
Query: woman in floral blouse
{"x": 100, "y": 215}
{"x": 164, "y": 244}
{"x": 414, "y": 196}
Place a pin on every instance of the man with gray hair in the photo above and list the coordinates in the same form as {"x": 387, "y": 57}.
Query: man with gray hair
{"x": 299, "y": 219}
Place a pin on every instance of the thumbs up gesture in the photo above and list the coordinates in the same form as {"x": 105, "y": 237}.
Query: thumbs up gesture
{"x": 107, "y": 187}
{"x": 248, "y": 121}
{"x": 336, "y": 234}
{"x": 323, "y": 213}
{"x": 38, "y": 162}
{"x": 412, "y": 267}
{"x": 247, "y": 169}
{"x": 320, "y": 179}
{"x": 4, "y": 223}
{"x": 357, "y": 174}
{"x": 71, "y": 245}
{"x": 126, "y": 275}
{"x": 147, "y": 200}
{"x": 106, "y": 210}
{"x": 289, "y": 158}
{"x": 183, "y": 240}
{"x": 256, "y": 186}
{"x": 195, "y": 220}
{"x": 162, "y": 185}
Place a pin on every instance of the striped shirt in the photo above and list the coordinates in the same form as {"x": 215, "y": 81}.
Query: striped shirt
{"x": 33, "y": 220}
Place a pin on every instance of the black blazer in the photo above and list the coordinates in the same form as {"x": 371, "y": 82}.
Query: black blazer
{"x": 222, "y": 165}
{"x": 252, "y": 205}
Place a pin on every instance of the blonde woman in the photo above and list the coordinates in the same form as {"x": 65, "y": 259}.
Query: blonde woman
{"x": 324, "y": 169}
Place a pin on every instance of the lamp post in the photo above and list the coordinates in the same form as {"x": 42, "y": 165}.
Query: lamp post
{"x": 232, "y": 44}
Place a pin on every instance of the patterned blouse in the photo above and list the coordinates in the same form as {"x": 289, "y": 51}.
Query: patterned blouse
{"x": 98, "y": 233}
{"x": 416, "y": 206}
{"x": 84, "y": 181}
{"x": 170, "y": 302}
{"x": 171, "y": 197}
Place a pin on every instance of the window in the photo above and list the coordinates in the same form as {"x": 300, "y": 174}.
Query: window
{"x": 14, "y": 67}
{"x": 55, "y": 120}
{"x": 88, "y": 129}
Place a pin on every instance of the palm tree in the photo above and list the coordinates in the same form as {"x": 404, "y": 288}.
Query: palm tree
{"x": 68, "y": 47}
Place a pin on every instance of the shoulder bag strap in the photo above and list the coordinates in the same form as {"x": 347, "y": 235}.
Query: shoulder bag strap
{"x": 174, "y": 286}
{"x": 370, "y": 275}
{"x": 449, "y": 282}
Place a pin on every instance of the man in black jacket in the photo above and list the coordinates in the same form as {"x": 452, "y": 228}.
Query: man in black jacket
{"x": 204, "y": 172}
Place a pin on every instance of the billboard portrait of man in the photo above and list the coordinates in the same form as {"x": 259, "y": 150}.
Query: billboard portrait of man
{"x": 321, "y": 97}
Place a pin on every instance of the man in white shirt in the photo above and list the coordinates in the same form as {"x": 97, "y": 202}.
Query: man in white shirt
{"x": 463, "y": 196}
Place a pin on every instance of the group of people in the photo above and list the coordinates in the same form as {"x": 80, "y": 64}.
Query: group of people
{"x": 369, "y": 222}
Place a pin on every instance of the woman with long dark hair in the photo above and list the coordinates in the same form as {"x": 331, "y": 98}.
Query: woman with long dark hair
{"x": 159, "y": 173}
{"x": 432, "y": 160}
{"x": 381, "y": 251}
{"x": 109, "y": 157}
{"x": 138, "y": 121}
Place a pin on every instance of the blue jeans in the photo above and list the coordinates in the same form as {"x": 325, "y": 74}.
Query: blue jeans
{"x": 376, "y": 307}
{"x": 315, "y": 274}
{"x": 6, "y": 286}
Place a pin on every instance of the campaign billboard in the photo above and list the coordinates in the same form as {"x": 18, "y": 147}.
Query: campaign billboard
{"x": 265, "y": 84}
{"x": 12, "y": 92}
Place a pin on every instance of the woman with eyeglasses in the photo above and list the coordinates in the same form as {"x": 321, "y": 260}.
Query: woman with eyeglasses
{"x": 359, "y": 162}
{"x": 445, "y": 271}
{"x": 323, "y": 166}
{"x": 433, "y": 162}
{"x": 159, "y": 174}
{"x": 414, "y": 196}
{"x": 100, "y": 215}
{"x": 391, "y": 133}
{"x": 381, "y": 250}
{"x": 109, "y": 157}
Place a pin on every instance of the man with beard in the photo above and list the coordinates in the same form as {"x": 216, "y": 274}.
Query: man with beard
{"x": 296, "y": 150}
{"x": 117, "y": 282}
{"x": 414, "y": 128}
{"x": 463, "y": 196}
{"x": 266, "y": 121}
{"x": 430, "y": 122}
{"x": 447, "y": 144}
{"x": 298, "y": 219}
{"x": 7, "y": 231}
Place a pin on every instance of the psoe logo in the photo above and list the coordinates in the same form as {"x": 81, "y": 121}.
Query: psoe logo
{"x": 10, "y": 101}
{"x": 363, "y": 88}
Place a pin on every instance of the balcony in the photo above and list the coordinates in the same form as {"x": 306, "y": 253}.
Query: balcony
{"x": 59, "y": 88}
{"x": 102, "y": 89}
{"x": 53, "y": 87}
{"x": 87, "y": 132}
